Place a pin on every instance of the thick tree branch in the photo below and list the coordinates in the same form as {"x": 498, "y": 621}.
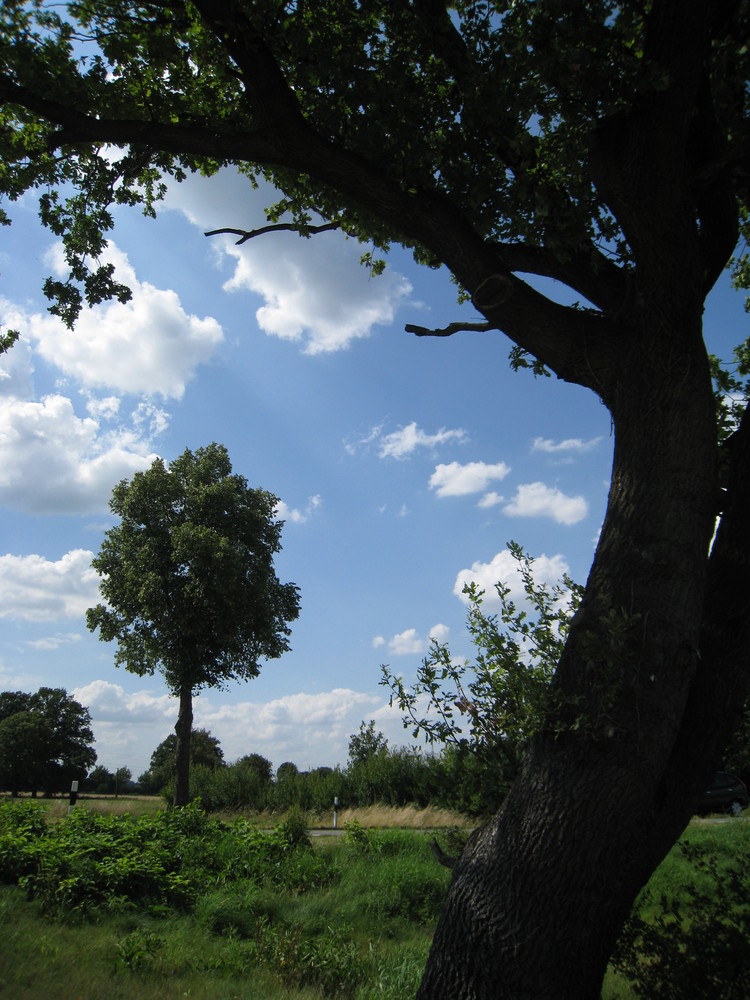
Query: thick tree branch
{"x": 271, "y": 99}
{"x": 656, "y": 209}
{"x": 447, "y": 331}
{"x": 78, "y": 128}
{"x": 592, "y": 275}
{"x": 278, "y": 227}
{"x": 578, "y": 346}
{"x": 588, "y": 271}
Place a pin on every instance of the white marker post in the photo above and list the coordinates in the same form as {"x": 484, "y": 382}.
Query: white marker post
{"x": 73, "y": 795}
{"x": 335, "y": 812}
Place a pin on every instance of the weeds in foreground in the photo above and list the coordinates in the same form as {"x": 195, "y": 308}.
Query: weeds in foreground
{"x": 689, "y": 934}
{"x": 196, "y": 907}
{"x": 274, "y": 908}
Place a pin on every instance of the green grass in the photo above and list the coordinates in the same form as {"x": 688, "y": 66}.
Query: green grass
{"x": 126, "y": 959}
{"x": 183, "y": 905}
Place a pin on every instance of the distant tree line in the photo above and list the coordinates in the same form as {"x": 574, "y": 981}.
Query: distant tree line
{"x": 375, "y": 772}
{"x": 102, "y": 781}
{"x": 476, "y": 717}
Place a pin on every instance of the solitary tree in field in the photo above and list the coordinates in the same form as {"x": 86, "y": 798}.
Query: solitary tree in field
{"x": 602, "y": 144}
{"x": 189, "y": 584}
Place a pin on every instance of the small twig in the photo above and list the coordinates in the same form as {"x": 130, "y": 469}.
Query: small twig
{"x": 447, "y": 331}
{"x": 279, "y": 227}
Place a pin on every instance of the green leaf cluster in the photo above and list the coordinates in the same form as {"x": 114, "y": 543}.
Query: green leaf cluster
{"x": 90, "y": 862}
{"x": 488, "y": 710}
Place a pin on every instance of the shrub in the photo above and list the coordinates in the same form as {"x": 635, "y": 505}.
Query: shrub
{"x": 693, "y": 942}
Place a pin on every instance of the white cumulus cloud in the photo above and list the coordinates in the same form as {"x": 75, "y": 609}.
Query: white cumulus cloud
{"x": 440, "y": 633}
{"x": 455, "y": 479}
{"x": 491, "y": 499}
{"x": 310, "y": 729}
{"x": 503, "y": 568}
{"x": 406, "y": 642}
{"x": 410, "y": 642}
{"x": 35, "y": 588}
{"x": 147, "y": 346}
{"x": 314, "y": 291}
{"x": 539, "y": 500}
{"x": 52, "y": 461}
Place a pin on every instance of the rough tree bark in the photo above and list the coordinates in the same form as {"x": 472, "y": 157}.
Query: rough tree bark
{"x": 655, "y": 669}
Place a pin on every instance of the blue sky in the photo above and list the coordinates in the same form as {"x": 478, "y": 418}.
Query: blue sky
{"x": 403, "y": 465}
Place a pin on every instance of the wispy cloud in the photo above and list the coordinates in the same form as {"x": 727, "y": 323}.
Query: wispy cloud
{"x": 286, "y": 513}
{"x": 55, "y": 641}
{"x": 570, "y": 446}
{"x": 406, "y": 440}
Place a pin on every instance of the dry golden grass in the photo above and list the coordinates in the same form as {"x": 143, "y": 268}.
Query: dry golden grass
{"x": 404, "y": 817}
{"x": 133, "y": 805}
{"x": 377, "y": 816}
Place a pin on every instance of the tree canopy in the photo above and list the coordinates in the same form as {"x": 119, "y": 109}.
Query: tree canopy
{"x": 478, "y": 134}
{"x": 189, "y": 581}
{"x": 366, "y": 743}
{"x": 600, "y": 144}
{"x": 46, "y": 740}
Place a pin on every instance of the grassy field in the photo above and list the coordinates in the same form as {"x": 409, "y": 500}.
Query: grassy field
{"x": 163, "y": 906}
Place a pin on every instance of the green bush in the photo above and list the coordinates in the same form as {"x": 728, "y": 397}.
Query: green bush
{"x": 689, "y": 934}
{"x": 89, "y": 862}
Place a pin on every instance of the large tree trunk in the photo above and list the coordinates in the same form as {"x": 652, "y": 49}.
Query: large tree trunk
{"x": 539, "y": 896}
{"x": 655, "y": 668}
{"x": 183, "y": 728}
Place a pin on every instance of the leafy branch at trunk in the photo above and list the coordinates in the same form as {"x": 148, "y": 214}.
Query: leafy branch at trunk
{"x": 493, "y": 707}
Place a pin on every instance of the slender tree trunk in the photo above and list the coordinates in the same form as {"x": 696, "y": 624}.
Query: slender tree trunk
{"x": 539, "y": 896}
{"x": 183, "y": 728}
